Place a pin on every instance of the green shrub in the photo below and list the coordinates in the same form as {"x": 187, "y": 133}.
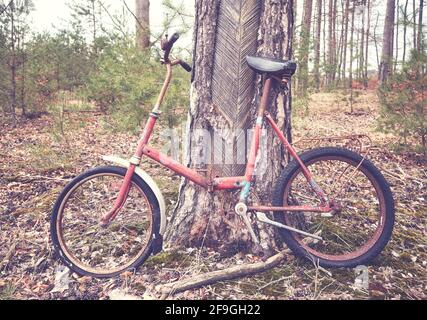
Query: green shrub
{"x": 55, "y": 63}
{"x": 126, "y": 82}
{"x": 404, "y": 104}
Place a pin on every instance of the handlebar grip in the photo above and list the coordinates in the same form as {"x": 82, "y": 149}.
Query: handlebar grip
{"x": 167, "y": 44}
{"x": 186, "y": 66}
{"x": 174, "y": 38}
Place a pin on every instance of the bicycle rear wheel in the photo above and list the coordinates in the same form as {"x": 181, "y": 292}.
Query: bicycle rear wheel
{"x": 359, "y": 230}
{"x": 88, "y": 248}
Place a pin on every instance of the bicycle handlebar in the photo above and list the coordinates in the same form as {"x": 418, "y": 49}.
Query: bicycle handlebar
{"x": 167, "y": 45}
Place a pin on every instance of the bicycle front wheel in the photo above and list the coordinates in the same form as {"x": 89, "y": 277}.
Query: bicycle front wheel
{"x": 362, "y": 226}
{"x": 90, "y": 249}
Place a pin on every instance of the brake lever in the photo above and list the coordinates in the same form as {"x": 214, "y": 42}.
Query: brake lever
{"x": 185, "y": 66}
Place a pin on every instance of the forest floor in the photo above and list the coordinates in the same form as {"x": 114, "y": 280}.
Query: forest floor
{"x": 36, "y": 162}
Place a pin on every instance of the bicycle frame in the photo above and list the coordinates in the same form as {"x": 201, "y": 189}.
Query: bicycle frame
{"x": 220, "y": 183}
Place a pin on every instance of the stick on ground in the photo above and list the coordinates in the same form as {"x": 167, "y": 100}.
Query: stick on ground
{"x": 221, "y": 275}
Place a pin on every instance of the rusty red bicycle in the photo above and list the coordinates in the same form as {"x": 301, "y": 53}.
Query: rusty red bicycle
{"x": 330, "y": 205}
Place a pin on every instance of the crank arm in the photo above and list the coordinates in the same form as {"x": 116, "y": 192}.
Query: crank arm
{"x": 261, "y": 216}
{"x": 251, "y": 230}
{"x": 241, "y": 210}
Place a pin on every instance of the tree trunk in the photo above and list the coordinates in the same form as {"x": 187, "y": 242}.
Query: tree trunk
{"x": 396, "y": 59}
{"x": 331, "y": 48}
{"x": 346, "y": 19}
{"x": 357, "y": 46}
{"x": 334, "y": 33}
{"x": 350, "y": 73}
{"x": 361, "y": 69}
{"x": 331, "y": 42}
{"x": 338, "y": 52}
{"x": 13, "y": 63}
{"x": 225, "y": 93}
{"x": 420, "y": 44}
{"x": 94, "y": 24}
{"x": 304, "y": 47}
{"x": 23, "y": 77}
{"x": 405, "y": 25}
{"x": 376, "y": 41}
{"x": 368, "y": 32}
{"x": 317, "y": 46}
{"x": 414, "y": 12}
{"x": 325, "y": 59}
{"x": 143, "y": 23}
{"x": 387, "y": 54}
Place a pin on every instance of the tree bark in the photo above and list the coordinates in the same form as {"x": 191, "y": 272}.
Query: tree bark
{"x": 357, "y": 47}
{"x": 420, "y": 44}
{"x": 405, "y": 25}
{"x": 376, "y": 41}
{"x": 350, "y": 73}
{"x": 387, "y": 53}
{"x": 368, "y": 32}
{"x": 361, "y": 69}
{"x": 13, "y": 63}
{"x": 143, "y": 23}
{"x": 325, "y": 58}
{"x": 396, "y": 59}
{"x": 317, "y": 46}
{"x": 94, "y": 23}
{"x": 23, "y": 77}
{"x": 414, "y": 14}
{"x": 331, "y": 42}
{"x": 224, "y": 97}
{"x": 338, "y": 52}
{"x": 345, "y": 43}
{"x": 304, "y": 48}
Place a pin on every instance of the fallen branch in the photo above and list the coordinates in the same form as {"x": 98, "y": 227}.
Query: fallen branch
{"x": 83, "y": 111}
{"x": 28, "y": 179}
{"x": 221, "y": 275}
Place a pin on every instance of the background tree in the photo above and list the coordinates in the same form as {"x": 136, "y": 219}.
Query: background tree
{"x": 420, "y": 44}
{"x": 304, "y": 47}
{"x": 143, "y": 23}
{"x": 14, "y": 17}
{"x": 317, "y": 42}
{"x": 367, "y": 38}
{"x": 346, "y": 18}
{"x": 397, "y": 18}
{"x": 414, "y": 20}
{"x": 387, "y": 51}
{"x": 331, "y": 66}
{"x": 405, "y": 27}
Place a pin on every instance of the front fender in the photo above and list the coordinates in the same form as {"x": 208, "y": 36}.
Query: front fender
{"x": 149, "y": 181}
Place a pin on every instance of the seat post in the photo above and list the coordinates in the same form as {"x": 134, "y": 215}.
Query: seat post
{"x": 250, "y": 166}
{"x": 264, "y": 99}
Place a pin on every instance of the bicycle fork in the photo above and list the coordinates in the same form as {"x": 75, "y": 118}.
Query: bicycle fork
{"x": 121, "y": 198}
